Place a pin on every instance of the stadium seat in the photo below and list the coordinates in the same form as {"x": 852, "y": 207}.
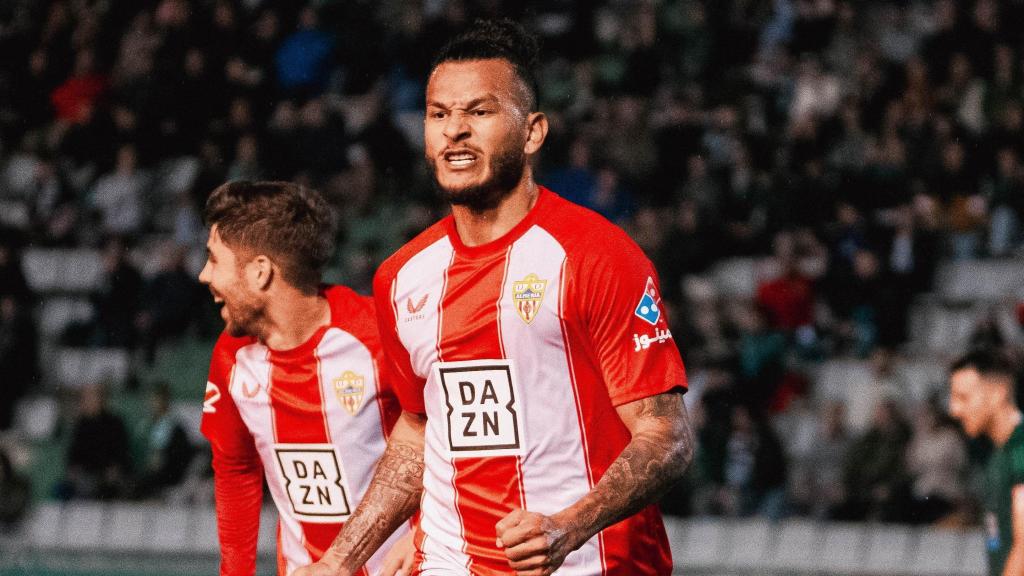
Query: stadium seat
{"x": 267, "y": 542}
{"x": 60, "y": 271}
{"x": 83, "y": 526}
{"x": 169, "y": 529}
{"x": 938, "y": 552}
{"x": 843, "y": 550}
{"x": 887, "y": 551}
{"x": 56, "y": 313}
{"x": 43, "y": 526}
{"x": 204, "y": 532}
{"x": 76, "y": 367}
{"x": 703, "y": 544}
{"x": 974, "y": 280}
{"x": 36, "y": 417}
{"x": 797, "y": 546}
{"x": 129, "y": 526}
{"x": 736, "y": 277}
{"x": 748, "y": 543}
{"x": 14, "y": 214}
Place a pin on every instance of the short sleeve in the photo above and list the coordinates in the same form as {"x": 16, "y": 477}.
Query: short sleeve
{"x": 396, "y": 367}
{"x": 617, "y": 296}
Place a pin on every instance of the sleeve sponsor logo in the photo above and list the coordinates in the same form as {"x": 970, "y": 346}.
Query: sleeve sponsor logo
{"x": 210, "y": 401}
{"x": 649, "y": 308}
{"x": 528, "y": 295}
{"x": 481, "y": 398}
{"x": 314, "y": 482}
{"x": 644, "y": 341}
{"x": 350, "y": 389}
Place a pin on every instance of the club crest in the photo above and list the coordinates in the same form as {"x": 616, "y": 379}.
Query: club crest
{"x": 527, "y": 295}
{"x": 349, "y": 388}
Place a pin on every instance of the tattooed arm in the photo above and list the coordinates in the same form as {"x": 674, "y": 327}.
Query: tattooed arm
{"x": 393, "y": 496}
{"x": 655, "y": 458}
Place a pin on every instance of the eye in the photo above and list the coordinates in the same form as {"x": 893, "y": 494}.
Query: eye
{"x": 438, "y": 114}
{"x": 481, "y": 112}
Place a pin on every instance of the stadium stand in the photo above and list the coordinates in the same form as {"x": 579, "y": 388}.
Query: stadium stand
{"x": 831, "y": 191}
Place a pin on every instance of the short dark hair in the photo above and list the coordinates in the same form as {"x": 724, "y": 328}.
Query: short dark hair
{"x": 290, "y": 223}
{"x": 987, "y": 362}
{"x": 500, "y": 39}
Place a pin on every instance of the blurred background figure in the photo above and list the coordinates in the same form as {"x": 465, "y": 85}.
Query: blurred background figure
{"x": 98, "y": 464}
{"x": 167, "y": 452}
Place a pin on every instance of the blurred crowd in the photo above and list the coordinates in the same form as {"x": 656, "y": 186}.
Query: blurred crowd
{"x": 846, "y": 147}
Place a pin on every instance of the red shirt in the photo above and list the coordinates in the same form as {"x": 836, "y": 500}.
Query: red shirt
{"x": 313, "y": 420}
{"x": 519, "y": 351}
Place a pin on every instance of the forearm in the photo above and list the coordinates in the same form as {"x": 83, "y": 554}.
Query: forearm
{"x": 655, "y": 459}
{"x": 393, "y": 497}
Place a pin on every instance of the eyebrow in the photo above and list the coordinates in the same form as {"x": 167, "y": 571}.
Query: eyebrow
{"x": 489, "y": 99}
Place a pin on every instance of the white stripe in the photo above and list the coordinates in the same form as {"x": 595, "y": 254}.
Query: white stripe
{"x": 554, "y": 467}
{"x": 425, "y": 274}
{"x": 252, "y": 373}
{"x": 357, "y": 438}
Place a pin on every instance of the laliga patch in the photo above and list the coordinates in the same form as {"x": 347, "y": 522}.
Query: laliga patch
{"x": 527, "y": 295}
{"x": 314, "y": 482}
{"x": 649, "y": 308}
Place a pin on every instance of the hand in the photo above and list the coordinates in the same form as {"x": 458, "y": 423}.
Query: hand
{"x": 400, "y": 559}
{"x": 316, "y": 569}
{"x": 535, "y": 544}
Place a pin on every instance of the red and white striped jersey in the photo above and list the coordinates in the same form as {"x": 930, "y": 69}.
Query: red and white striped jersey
{"x": 518, "y": 351}
{"x": 313, "y": 420}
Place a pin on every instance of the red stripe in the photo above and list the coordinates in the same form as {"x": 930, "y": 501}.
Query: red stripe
{"x": 563, "y": 287}
{"x": 486, "y": 488}
{"x": 296, "y": 400}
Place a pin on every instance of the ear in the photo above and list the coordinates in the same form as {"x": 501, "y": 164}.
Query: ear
{"x": 259, "y": 273}
{"x": 537, "y": 131}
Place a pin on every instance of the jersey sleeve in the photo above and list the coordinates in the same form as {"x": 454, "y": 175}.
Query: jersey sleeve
{"x": 237, "y": 472}
{"x": 396, "y": 367}
{"x": 617, "y": 295}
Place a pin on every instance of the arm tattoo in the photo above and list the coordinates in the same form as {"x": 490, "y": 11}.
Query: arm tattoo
{"x": 650, "y": 464}
{"x": 391, "y": 499}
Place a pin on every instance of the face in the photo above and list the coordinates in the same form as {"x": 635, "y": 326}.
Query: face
{"x": 224, "y": 274}
{"x": 971, "y": 401}
{"x": 476, "y": 131}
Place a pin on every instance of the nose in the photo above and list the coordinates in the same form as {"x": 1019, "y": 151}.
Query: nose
{"x": 204, "y": 274}
{"x": 456, "y": 127}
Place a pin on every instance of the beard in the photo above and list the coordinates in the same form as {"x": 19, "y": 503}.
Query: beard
{"x": 244, "y": 316}
{"x": 506, "y": 170}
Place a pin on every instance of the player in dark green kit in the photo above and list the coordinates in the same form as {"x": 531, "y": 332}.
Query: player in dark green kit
{"x": 982, "y": 398}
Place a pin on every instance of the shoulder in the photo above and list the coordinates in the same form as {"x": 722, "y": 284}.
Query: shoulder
{"x": 227, "y": 347}
{"x": 590, "y": 240}
{"x": 390, "y": 267}
{"x": 352, "y": 312}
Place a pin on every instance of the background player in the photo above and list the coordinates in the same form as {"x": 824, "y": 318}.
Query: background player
{"x": 982, "y": 398}
{"x": 541, "y": 386}
{"x": 294, "y": 392}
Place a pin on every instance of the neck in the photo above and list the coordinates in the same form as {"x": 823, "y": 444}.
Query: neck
{"x": 480, "y": 227}
{"x": 1004, "y": 424}
{"x": 293, "y": 318}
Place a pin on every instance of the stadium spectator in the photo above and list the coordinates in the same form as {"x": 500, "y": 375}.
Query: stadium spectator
{"x": 168, "y": 302}
{"x": 874, "y": 474}
{"x": 937, "y": 464}
{"x": 98, "y": 464}
{"x": 19, "y": 362}
{"x": 167, "y": 451}
{"x": 15, "y": 493}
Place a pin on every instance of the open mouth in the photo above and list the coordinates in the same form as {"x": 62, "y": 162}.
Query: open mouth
{"x": 460, "y": 158}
